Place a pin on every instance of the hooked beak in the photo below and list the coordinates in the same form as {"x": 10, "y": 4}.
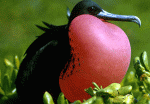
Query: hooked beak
{"x": 115, "y": 17}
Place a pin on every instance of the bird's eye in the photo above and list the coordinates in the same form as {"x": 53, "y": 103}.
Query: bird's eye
{"x": 92, "y": 10}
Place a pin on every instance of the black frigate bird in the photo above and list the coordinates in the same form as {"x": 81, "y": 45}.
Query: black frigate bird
{"x": 48, "y": 54}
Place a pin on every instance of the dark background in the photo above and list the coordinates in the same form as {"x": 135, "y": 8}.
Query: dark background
{"x": 18, "y": 19}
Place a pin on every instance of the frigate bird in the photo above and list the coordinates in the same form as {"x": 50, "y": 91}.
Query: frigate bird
{"x": 51, "y": 53}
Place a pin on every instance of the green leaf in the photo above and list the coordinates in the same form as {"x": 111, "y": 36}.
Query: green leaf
{"x": 2, "y": 92}
{"x": 13, "y": 78}
{"x": 125, "y": 90}
{"x": 90, "y": 100}
{"x": 14, "y": 91}
{"x": 61, "y": 99}
{"x": 117, "y": 100}
{"x": 144, "y": 99}
{"x": 66, "y": 101}
{"x": 136, "y": 60}
{"x": 77, "y": 102}
{"x": 17, "y": 63}
{"x": 139, "y": 68}
{"x": 47, "y": 98}
{"x": 8, "y": 63}
{"x": 144, "y": 60}
{"x": 6, "y": 84}
{"x": 107, "y": 92}
{"x": 98, "y": 100}
{"x": 129, "y": 99}
{"x": 113, "y": 86}
{"x": 96, "y": 86}
{"x": 90, "y": 91}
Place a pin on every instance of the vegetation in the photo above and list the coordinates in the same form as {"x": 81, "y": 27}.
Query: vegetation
{"x": 136, "y": 92}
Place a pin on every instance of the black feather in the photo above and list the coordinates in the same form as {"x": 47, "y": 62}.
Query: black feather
{"x": 40, "y": 69}
{"x": 49, "y": 25}
{"x": 42, "y": 28}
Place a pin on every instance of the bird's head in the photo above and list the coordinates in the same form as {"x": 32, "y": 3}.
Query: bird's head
{"x": 92, "y": 8}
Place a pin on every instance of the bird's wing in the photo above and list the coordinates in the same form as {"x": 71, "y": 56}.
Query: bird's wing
{"x": 49, "y": 35}
{"x": 44, "y": 47}
{"x": 45, "y": 58}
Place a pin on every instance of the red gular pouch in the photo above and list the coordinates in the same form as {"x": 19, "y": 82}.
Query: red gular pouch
{"x": 101, "y": 53}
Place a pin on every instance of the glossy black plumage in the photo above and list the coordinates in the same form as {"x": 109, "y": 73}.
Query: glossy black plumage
{"x": 40, "y": 69}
